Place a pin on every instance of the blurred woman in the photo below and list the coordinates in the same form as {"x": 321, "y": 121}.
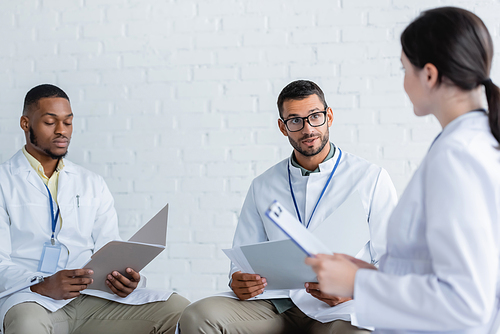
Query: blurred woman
{"x": 441, "y": 269}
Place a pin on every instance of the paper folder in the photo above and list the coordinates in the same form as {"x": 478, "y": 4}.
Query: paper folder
{"x": 146, "y": 244}
{"x": 282, "y": 262}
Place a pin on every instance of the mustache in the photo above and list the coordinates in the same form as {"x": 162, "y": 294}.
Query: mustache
{"x": 61, "y": 137}
{"x": 309, "y": 135}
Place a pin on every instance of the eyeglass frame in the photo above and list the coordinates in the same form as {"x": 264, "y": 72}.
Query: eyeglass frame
{"x": 324, "y": 112}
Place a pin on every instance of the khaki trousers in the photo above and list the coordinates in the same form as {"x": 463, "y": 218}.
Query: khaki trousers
{"x": 88, "y": 314}
{"x": 228, "y": 315}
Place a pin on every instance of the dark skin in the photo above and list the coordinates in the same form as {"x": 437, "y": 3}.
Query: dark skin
{"x": 50, "y": 121}
{"x": 246, "y": 286}
{"x": 313, "y": 289}
{"x": 64, "y": 284}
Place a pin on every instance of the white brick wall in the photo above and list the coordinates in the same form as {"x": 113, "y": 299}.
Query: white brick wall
{"x": 175, "y": 101}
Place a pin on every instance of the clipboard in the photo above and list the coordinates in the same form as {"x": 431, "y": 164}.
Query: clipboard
{"x": 281, "y": 262}
{"x": 348, "y": 233}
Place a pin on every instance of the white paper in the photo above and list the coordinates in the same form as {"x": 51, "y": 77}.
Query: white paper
{"x": 347, "y": 230}
{"x": 297, "y": 232}
{"x": 238, "y": 258}
{"x": 282, "y": 262}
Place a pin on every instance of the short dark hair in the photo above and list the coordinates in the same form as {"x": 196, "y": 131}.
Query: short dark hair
{"x": 299, "y": 90}
{"x": 39, "y": 92}
{"x": 458, "y": 43}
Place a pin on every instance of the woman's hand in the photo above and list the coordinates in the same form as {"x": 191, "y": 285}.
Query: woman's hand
{"x": 336, "y": 273}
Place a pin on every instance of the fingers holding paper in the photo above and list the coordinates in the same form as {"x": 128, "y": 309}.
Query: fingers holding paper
{"x": 121, "y": 285}
{"x": 314, "y": 290}
{"x": 335, "y": 273}
{"x": 246, "y": 286}
{"x": 64, "y": 284}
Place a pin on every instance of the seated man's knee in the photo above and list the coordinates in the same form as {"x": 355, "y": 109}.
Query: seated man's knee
{"x": 27, "y": 318}
{"x": 171, "y": 309}
{"x": 202, "y": 314}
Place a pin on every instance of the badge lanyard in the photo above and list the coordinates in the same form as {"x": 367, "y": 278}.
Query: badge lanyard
{"x": 54, "y": 218}
{"x": 320, "y": 196}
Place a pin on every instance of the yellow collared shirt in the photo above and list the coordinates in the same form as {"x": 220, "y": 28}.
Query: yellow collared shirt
{"x": 51, "y": 182}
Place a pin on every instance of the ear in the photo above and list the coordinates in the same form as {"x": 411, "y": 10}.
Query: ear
{"x": 282, "y": 127}
{"x": 329, "y": 115}
{"x": 430, "y": 75}
{"x": 24, "y": 123}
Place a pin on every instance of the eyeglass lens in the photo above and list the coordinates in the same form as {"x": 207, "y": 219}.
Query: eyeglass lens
{"x": 297, "y": 123}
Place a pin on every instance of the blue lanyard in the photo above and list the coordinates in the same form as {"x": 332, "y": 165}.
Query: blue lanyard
{"x": 54, "y": 218}
{"x": 320, "y": 196}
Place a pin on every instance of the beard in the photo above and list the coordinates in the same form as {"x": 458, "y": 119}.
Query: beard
{"x": 310, "y": 153}
{"x": 34, "y": 142}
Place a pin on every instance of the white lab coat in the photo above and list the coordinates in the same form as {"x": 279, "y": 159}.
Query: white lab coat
{"x": 353, "y": 173}
{"x": 441, "y": 270}
{"x": 89, "y": 222}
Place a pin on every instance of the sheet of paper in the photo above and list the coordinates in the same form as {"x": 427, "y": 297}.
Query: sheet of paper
{"x": 281, "y": 263}
{"x": 139, "y": 251}
{"x": 297, "y": 232}
{"x": 238, "y": 258}
{"x": 346, "y": 230}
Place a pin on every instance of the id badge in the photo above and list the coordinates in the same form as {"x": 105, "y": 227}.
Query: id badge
{"x": 50, "y": 258}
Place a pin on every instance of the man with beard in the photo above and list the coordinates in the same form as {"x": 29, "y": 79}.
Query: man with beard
{"x": 54, "y": 215}
{"x": 312, "y": 184}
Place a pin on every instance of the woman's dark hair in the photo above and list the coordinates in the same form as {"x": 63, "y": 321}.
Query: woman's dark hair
{"x": 458, "y": 43}
{"x": 299, "y": 90}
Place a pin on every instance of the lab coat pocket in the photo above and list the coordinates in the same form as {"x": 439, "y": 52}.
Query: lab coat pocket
{"x": 86, "y": 209}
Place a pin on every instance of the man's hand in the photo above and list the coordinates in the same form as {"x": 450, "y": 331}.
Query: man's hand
{"x": 336, "y": 273}
{"x": 64, "y": 284}
{"x": 246, "y": 286}
{"x": 121, "y": 285}
{"x": 313, "y": 289}
{"x": 358, "y": 262}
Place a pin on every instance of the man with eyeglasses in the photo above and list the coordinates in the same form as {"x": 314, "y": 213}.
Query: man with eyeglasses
{"x": 312, "y": 184}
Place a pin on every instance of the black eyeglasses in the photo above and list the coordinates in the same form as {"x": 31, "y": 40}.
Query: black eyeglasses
{"x": 315, "y": 119}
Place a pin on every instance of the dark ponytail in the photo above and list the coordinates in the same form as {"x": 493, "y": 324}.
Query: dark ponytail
{"x": 493, "y": 98}
{"x": 458, "y": 43}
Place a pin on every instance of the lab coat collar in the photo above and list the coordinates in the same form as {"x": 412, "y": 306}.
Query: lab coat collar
{"x": 457, "y": 122}
{"x": 325, "y": 167}
{"x": 20, "y": 164}
{"x": 69, "y": 167}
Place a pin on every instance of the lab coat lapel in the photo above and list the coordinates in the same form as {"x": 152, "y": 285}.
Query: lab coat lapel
{"x": 21, "y": 166}
{"x": 67, "y": 187}
{"x": 36, "y": 182}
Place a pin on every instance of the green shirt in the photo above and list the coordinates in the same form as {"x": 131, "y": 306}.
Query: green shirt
{"x": 306, "y": 172}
